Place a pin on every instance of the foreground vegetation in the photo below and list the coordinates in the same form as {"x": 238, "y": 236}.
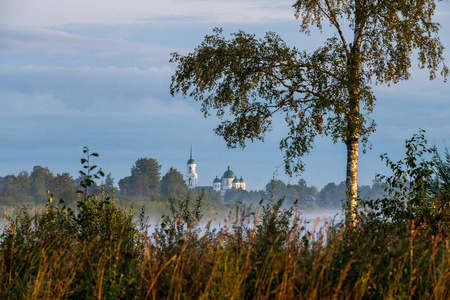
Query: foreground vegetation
{"x": 397, "y": 249}
{"x": 101, "y": 253}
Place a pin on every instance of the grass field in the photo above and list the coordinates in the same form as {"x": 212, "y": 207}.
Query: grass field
{"x": 394, "y": 248}
{"x": 102, "y": 252}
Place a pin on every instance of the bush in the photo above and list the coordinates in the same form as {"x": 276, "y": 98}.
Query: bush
{"x": 412, "y": 196}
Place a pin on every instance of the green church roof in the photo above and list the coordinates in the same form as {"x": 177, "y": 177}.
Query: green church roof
{"x": 217, "y": 180}
{"x": 191, "y": 159}
{"x": 228, "y": 173}
{"x": 241, "y": 180}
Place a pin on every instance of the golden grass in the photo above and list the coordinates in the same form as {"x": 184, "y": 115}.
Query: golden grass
{"x": 234, "y": 262}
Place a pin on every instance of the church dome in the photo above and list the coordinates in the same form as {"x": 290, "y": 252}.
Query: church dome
{"x": 241, "y": 180}
{"x": 228, "y": 173}
{"x": 236, "y": 180}
{"x": 217, "y": 180}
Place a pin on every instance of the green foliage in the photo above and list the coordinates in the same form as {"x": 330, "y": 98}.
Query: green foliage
{"x": 412, "y": 176}
{"x": 303, "y": 189}
{"x": 442, "y": 172}
{"x": 332, "y": 195}
{"x": 40, "y": 181}
{"x": 63, "y": 187}
{"x": 273, "y": 228}
{"x": 258, "y": 78}
{"x": 326, "y": 92}
{"x": 173, "y": 183}
{"x": 409, "y": 186}
{"x": 244, "y": 196}
{"x": 30, "y": 189}
{"x": 109, "y": 184}
{"x": 189, "y": 215}
{"x": 88, "y": 173}
{"x": 144, "y": 180}
{"x": 16, "y": 189}
{"x": 185, "y": 218}
{"x": 99, "y": 251}
{"x": 412, "y": 199}
{"x": 57, "y": 252}
{"x": 276, "y": 188}
{"x": 376, "y": 191}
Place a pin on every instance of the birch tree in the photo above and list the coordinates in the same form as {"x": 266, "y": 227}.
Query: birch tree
{"x": 246, "y": 80}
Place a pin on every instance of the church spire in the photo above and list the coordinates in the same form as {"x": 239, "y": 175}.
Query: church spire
{"x": 191, "y": 175}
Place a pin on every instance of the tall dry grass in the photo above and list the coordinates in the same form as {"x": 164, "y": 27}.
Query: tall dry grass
{"x": 101, "y": 253}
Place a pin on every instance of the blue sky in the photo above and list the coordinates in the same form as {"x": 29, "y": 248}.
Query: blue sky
{"x": 95, "y": 73}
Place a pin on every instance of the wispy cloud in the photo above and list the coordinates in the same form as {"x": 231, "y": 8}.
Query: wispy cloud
{"x": 49, "y": 42}
{"x": 45, "y": 104}
{"x": 16, "y": 103}
{"x": 57, "y": 12}
{"x": 147, "y": 106}
{"x": 111, "y": 82}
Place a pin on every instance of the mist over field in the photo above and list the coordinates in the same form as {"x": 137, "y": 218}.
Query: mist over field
{"x": 218, "y": 220}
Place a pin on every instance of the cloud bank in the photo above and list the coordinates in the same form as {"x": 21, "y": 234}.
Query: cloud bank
{"x": 29, "y": 13}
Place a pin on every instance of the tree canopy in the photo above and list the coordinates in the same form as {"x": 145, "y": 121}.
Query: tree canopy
{"x": 25, "y": 188}
{"x": 40, "y": 180}
{"x": 144, "y": 180}
{"x": 326, "y": 92}
{"x": 173, "y": 183}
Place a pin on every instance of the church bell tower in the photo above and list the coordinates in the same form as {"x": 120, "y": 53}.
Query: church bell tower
{"x": 191, "y": 175}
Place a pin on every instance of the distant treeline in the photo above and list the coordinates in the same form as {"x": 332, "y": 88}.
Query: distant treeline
{"x": 330, "y": 196}
{"x": 146, "y": 184}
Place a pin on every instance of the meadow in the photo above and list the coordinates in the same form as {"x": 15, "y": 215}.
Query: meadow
{"x": 103, "y": 252}
{"x": 396, "y": 248}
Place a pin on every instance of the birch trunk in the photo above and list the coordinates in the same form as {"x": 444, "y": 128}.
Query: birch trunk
{"x": 352, "y": 177}
{"x": 353, "y": 121}
{"x": 352, "y": 143}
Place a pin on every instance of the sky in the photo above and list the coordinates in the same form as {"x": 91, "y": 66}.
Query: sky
{"x": 96, "y": 73}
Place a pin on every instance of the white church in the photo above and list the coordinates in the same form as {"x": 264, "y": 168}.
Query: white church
{"x": 227, "y": 182}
